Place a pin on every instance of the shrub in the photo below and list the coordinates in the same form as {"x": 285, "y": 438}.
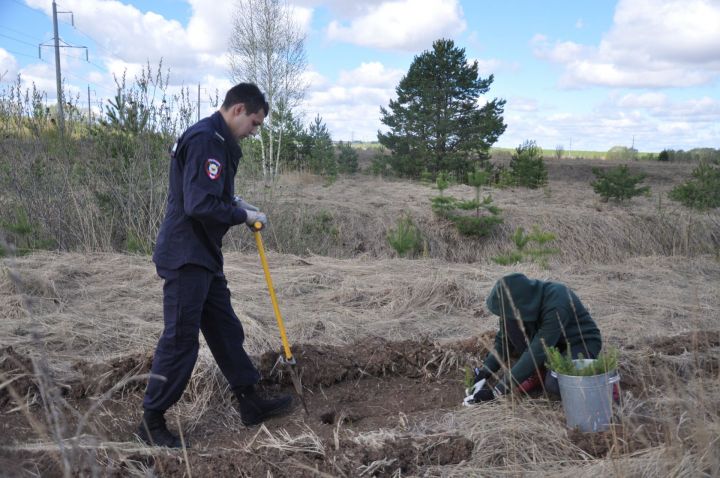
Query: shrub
{"x": 527, "y": 168}
{"x": 621, "y": 153}
{"x": 477, "y": 225}
{"x": 379, "y": 164}
{"x": 443, "y": 206}
{"x": 323, "y": 221}
{"x": 442, "y": 182}
{"x": 23, "y": 234}
{"x": 426, "y": 177}
{"x": 406, "y": 238}
{"x": 702, "y": 191}
{"x": 696, "y": 154}
{"x": 322, "y": 158}
{"x": 538, "y": 254}
{"x": 486, "y": 214}
{"x": 347, "y": 158}
{"x": 618, "y": 184}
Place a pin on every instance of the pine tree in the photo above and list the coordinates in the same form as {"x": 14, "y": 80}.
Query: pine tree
{"x": 618, "y": 183}
{"x": 347, "y": 159}
{"x": 321, "y": 151}
{"x": 527, "y": 167}
{"x": 436, "y": 123}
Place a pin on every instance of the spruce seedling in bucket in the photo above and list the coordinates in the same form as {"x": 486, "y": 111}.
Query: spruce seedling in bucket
{"x": 564, "y": 364}
{"x": 586, "y": 388}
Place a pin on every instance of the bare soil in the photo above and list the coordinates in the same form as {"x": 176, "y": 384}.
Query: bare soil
{"x": 373, "y": 385}
{"x": 381, "y": 342}
{"x": 388, "y": 390}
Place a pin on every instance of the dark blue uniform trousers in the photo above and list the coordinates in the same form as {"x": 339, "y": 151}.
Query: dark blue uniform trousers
{"x": 196, "y": 299}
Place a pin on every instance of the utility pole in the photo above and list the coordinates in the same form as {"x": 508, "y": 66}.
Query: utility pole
{"x": 61, "y": 117}
{"x": 89, "y": 111}
{"x": 198, "y": 102}
{"x": 58, "y": 74}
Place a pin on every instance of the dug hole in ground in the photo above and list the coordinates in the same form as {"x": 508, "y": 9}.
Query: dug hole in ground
{"x": 381, "y": 342}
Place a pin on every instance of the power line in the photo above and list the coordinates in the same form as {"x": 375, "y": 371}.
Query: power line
{"x": 98, "y": 45}
{"x": 21, "y": 54}
{"x": 17, "y": 40}
{"x": 18, "y": 32}
{"x": 29, "y": 8}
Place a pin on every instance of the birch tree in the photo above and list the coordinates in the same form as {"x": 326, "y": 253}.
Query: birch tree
{"x": 267, "y": 47}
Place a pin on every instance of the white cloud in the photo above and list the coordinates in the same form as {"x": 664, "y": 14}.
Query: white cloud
{"x": 204, "y": 31}
{"x": 343, "y": 8}
{"x": 8, "y": 65}
{"x": 675, "y": 127}
{"x": 560, "y": 52}
{"x": 351, "y": 106}
{"x": 409, "y": 25}
{"x": 491, "y": 66}
{"x": 521, "y": 104}
{"x": 371, "y": 74}
{"x": 314, "y": 80}
{"x": 129, "y": 36}
{"x": 644, "y": 100}
{"x": 42, "y": 75}
{"x": 652, "y": 43}
{"x": 652, "y": 119}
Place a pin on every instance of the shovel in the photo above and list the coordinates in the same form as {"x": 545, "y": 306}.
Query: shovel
{"x": 288, "y": 359}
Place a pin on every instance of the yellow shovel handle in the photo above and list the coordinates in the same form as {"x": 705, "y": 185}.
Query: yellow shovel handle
{"x": 268, "y": 279}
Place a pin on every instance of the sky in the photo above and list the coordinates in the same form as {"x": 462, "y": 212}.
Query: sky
{"x": 582, "y": 75}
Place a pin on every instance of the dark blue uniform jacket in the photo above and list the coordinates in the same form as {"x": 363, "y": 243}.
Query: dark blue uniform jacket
{"x": 200, "y": 210}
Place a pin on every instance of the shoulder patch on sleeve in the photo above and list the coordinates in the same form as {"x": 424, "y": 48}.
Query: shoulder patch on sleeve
{"x": 213, "y": 168}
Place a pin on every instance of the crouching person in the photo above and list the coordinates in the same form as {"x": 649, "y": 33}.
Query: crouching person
{"x": 533, "y": 314}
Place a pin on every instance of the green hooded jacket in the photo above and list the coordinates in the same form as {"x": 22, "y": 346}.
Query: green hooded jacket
{"x": 549, "y": 312}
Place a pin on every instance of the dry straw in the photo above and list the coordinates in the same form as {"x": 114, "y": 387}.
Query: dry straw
{"x": 641, "y": 272}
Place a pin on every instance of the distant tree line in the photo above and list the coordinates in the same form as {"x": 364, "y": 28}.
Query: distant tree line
{"x": 696, "y": 154}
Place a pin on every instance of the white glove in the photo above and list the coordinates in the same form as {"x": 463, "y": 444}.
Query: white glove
{"x": 470, "y": 399}
{"x": 255, "y": 216}
{"x": 240, "y": 202}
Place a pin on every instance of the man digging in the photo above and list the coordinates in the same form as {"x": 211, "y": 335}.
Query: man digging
{"x": 201, "y": 208}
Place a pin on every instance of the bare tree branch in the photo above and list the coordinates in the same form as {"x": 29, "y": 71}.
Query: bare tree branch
{"x": 267, "y": 47}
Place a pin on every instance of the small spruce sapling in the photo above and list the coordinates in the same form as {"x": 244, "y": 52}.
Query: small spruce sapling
{"x": 618, "y": 183}
{"x": 606, "y": 362}
{"x": 538, "y": 254}
{"x": 406, "y": 238}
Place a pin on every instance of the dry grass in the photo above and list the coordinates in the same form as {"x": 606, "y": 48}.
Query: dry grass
{"x": 64, "y": 308}
{"x": 352, "y": 217}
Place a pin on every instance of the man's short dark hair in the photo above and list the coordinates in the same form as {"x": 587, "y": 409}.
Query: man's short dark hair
{"x": 247, "y": 94}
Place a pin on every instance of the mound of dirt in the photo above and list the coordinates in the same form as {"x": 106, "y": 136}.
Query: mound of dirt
{"x": 373, "y": 357}
{"x": 400, "y": 455}
{"x": 97, "y": 378}
{"x": 657, "y": 363}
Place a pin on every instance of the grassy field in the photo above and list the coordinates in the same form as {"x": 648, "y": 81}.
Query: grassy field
{"x": 382, "y": 341}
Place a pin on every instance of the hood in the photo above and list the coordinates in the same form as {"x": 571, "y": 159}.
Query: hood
{"x": 526, "y": 297}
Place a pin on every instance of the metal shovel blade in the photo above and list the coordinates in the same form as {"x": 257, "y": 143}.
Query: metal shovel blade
{"x": 287, "y": 358}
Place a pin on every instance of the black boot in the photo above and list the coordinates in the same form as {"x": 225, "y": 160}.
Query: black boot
{"x": 154, "y": 432}
{"x": 254, "y": 409}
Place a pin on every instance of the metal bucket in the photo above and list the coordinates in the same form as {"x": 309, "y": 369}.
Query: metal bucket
{"x": 587, "y": 401}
